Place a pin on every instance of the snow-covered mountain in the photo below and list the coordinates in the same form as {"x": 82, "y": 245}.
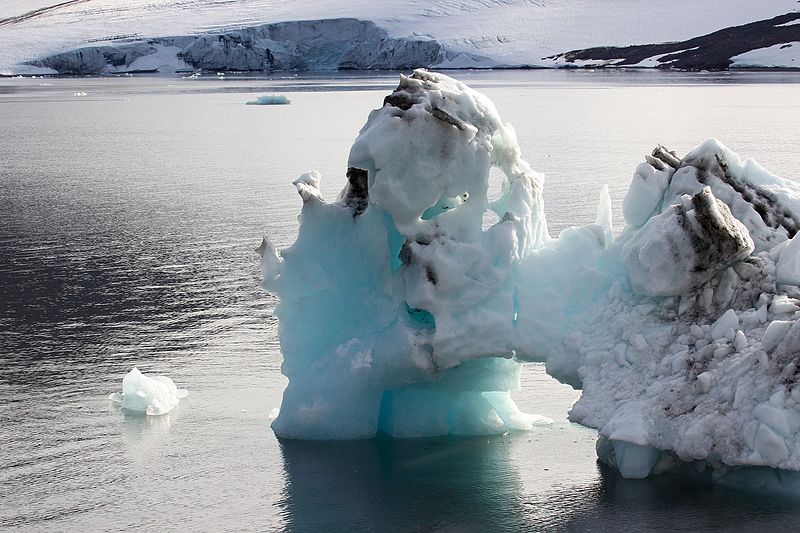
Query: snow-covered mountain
{"x": 499, "y": 32}
{"x": 765, "y": 43}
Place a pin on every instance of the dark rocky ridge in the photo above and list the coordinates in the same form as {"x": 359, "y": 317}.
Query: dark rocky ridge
{"x": 708, "y": 52}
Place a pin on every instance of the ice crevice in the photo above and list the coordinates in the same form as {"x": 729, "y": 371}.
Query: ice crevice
{"x": 402, "y": 315}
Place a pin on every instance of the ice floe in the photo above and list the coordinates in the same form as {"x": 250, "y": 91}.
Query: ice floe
{"x": 150, "y": 395}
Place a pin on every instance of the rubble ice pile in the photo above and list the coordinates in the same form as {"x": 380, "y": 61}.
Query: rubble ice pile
{"x": 401, "y": 314}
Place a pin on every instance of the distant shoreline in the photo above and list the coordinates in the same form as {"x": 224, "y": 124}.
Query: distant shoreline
{"x": 255, "y": 73}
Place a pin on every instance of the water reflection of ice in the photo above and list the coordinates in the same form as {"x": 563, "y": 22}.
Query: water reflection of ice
{"x": 478, "y": 485}
{"x": 416, "y": 484}
{"x": 142, "y": 434}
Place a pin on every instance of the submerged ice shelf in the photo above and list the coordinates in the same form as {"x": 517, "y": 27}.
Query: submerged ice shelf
{"x": 400, "y": 314}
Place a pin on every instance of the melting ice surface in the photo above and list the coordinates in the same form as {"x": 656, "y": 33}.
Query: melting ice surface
{"x": 154, "y": 395}
{"x": 270, "y": 99}
{"x": 401, "y": 315}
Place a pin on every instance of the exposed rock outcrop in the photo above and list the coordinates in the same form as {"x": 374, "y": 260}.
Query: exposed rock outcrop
{"x": 714, "y": 51}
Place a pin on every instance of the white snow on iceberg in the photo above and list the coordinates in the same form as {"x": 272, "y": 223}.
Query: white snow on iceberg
{"x": 150, "y": 395}
{"x": 400, "y": 315}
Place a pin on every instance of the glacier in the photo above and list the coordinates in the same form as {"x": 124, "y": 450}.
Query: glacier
{"x": 403, "y": 314}
{"x": 147, "y": 35}
{"x": 317, "y": 45}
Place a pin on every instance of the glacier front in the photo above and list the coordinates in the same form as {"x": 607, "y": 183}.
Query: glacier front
{"x": 403, "y": 313}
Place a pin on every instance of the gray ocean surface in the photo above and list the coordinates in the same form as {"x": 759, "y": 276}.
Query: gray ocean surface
{"x": 129, "y": 211}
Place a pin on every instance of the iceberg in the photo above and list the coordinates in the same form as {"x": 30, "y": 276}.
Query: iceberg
{"x": 402, "y": 315}
{"x": 270, "y": 99}
{"x": 156, "y": 395}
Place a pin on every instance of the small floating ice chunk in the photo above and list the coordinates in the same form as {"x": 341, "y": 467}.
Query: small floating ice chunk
{"x": 270, "y": 99}
{"x": 153, "y": 396}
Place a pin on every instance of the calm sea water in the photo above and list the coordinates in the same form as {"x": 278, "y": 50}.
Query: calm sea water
{"x": 129, "y": 211}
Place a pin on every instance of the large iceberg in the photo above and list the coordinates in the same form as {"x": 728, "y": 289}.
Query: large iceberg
{"x": 403, "y": 313}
